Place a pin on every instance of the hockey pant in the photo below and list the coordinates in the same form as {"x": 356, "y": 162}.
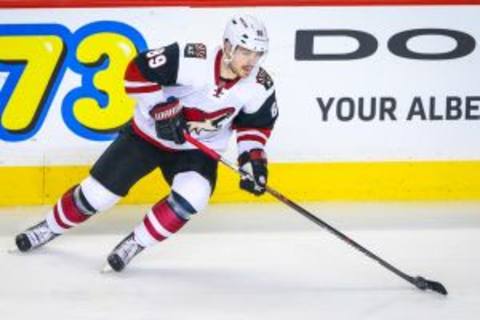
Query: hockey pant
{"x": 191, "y": 175}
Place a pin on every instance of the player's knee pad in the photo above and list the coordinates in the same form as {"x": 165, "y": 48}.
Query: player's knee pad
{"x": 91, "y": 196}
{"x": 190, "y": 193}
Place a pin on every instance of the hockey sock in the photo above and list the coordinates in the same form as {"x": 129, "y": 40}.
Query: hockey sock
{"x": 160, "y": 223}
{"x": 70, "y": 210}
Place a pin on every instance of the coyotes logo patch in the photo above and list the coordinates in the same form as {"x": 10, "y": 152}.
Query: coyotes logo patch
{"x": 264, "y": 79}
{"x": 195, "y": 50}
{"x": 198, "y": 120}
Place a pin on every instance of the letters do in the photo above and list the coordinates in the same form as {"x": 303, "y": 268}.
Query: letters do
{"x": 368, "y": 44}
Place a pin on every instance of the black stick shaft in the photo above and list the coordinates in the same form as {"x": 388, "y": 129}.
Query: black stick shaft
{"x": 303, "y": 211}
{"x": 338, "y": 234}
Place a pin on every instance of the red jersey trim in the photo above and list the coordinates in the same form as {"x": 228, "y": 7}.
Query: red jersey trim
{"x": 149, "y": 139}
{"x": 133, "y": 73}
{"x": 266, "y": 132}
{"x": 251, "y": 137}
{"x": 144, "y": 89}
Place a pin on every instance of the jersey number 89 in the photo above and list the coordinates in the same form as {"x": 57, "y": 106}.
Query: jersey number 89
{"x": 156, "y": 58}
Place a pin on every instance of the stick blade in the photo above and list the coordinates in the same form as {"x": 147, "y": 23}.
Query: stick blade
{"x": 424, "y": 284}
{"x": 438, "y": 287}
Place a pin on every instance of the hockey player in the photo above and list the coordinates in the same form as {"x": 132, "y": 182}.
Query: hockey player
{"x": 209, "y": 92}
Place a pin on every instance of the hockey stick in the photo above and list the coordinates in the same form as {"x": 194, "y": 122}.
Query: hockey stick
{"x": 419, "y": 282}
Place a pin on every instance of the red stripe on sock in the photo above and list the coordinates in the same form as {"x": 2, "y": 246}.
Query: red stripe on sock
{"x": 70, "y": 210}
{"x": 58, "y": 220}
{"x": 167, "y": 217}
{"x": 157, "y": 236}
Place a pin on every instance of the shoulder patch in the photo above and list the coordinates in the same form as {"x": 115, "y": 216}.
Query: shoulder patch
{"x": 195, "y": 50}
{"x": 264, "y": 79}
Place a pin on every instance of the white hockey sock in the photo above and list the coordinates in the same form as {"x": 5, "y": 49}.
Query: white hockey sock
{"x": 160, "y": 223}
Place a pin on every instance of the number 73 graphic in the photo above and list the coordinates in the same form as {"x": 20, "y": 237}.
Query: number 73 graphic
{"x": 33, "y": 61}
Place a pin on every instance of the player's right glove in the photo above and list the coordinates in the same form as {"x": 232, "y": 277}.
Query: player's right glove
{"x": 255, "y": 163}
{"x": 169, "y": 121}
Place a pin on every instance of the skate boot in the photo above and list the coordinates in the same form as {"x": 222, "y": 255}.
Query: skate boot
{"x": 34, "y": 237}
{"x": 124, "y": 252}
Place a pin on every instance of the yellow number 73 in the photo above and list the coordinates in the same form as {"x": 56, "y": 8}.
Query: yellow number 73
{"x": 41, "y": 56}
{"x": 35, "y": 58}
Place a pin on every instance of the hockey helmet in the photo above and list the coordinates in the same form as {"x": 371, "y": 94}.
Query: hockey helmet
{"x": 248, "y": 32}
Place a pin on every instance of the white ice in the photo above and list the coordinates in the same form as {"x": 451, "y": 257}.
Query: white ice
{"x": 249, "y": 262}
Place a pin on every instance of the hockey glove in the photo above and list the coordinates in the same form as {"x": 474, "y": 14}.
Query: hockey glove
{"x": 255, "y": 163}
{"x": 169, "y": 121}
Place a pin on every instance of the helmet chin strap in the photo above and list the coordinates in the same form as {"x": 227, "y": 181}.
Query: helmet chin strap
{"x": 228, "y": 58}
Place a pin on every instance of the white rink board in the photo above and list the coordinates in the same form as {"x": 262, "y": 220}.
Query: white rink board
{"x": 304, "y": 132}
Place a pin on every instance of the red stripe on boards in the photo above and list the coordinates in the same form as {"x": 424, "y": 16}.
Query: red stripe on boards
{"x": 224, "y": 3}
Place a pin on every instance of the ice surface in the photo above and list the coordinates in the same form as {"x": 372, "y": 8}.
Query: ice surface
{"x": 249, "y": 262}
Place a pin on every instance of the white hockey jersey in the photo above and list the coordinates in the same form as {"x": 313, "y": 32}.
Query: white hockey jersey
{"x": 213, "y": 107}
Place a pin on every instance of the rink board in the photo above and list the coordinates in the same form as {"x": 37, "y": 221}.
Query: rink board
{"x": 301, "y": 181}
{"x": 388, "y": 122}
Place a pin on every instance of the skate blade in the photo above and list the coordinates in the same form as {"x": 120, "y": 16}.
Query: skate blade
{"x": 106, "y": 269}
{"x": 13, "y": 251}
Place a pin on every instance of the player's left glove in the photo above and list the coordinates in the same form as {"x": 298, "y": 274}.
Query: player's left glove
{"x": 169, "y": 121}
{"x": 255, "y": 163}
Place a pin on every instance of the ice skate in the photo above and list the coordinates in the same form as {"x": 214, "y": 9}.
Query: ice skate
{"x": 34, "y": 237}
{"x": 123, "y": 253}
